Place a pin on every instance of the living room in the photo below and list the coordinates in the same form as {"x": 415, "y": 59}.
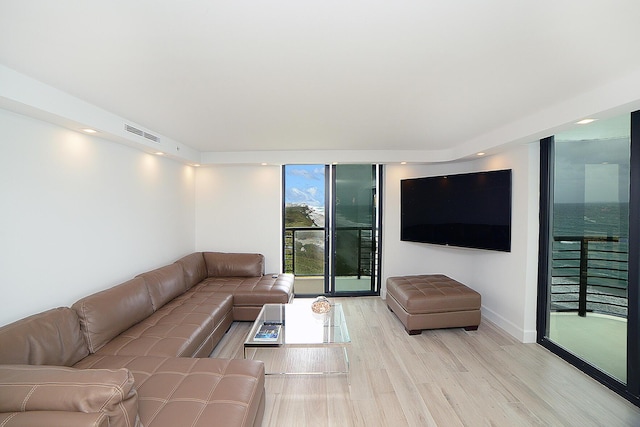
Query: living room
{"x": 83, "y": 212}
{"x": 104, "y": 201}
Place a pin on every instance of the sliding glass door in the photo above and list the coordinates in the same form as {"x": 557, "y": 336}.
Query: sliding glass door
{"x": 306, "y": 228}
{"x": 332, "y": 228}
{"x": 354, "y": 228}
{"x": 585, "y": 281}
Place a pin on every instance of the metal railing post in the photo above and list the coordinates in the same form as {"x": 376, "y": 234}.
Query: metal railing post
{"x": 293, "y": 251}
{"x": 359, "y": 254}
{"x": 584, "y": 273}
{"x": 582, "y": 289}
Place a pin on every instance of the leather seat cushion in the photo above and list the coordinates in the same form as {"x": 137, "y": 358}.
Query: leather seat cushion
{"x": 177, "y": 329}
{"x": 436, "y": 293}
{"x": 192, "y": 392}
{"x": 252, "y": 291}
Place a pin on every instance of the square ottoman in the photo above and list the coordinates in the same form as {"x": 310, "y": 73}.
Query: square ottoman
{"x": 433, "y": 301}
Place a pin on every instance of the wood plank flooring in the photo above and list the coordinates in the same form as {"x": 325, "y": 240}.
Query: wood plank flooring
{"x": 447, "y": 377}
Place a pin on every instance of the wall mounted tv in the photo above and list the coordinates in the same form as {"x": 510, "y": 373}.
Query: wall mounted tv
{"x": 471, "y": 210}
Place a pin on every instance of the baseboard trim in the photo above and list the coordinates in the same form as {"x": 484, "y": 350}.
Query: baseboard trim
{"x": 522, "y": 335}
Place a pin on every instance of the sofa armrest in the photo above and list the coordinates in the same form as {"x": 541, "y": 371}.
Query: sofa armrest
{"x": 53, "y": 419}
{"x": 28, "y": 388}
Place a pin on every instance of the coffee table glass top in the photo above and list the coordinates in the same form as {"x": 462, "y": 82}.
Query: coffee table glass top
{"x": 300, "y": 325}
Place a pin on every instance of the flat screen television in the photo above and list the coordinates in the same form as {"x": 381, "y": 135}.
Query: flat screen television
{"x": 471, "y": 210}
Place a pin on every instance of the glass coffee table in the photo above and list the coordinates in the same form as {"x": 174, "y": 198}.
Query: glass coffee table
{"x": 322, "y": 337}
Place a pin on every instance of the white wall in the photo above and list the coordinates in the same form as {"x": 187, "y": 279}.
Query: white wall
{"x": 506, "y": 281}
{"x": 79, "y": 214}
{"x": 238, "y": 209}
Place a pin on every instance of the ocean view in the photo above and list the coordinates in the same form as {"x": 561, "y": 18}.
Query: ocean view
{"x": 591, "y": 219}
{"x": 605, "y": 227}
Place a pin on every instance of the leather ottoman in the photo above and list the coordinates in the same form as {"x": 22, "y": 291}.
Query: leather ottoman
{"x": 433, "y": 301}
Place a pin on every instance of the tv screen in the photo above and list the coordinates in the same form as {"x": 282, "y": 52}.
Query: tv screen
{"x": 471, "y": 210}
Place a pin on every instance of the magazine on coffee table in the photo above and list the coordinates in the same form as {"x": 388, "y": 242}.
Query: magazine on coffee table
{"x": 268, "y": 332}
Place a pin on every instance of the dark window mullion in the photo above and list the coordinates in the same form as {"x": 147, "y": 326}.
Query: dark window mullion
{"x": 544, "y": 264}
{"x": 633, "y": 289}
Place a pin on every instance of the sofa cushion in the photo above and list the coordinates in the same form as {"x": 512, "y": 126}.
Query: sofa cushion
{"x": 106, "y": 314}
{"x": 53, "y": 419}
{"x": 164, "y": 284}
{"x": 192, "y": 392}
{"x": 252, "y": 291}
{"x": 432, "y": 293}
{"x": 25, "y": 388}
{"x": 178, "y": 329}
{"x": 220, "y": 264}
{"x": 194, "y": 268}
{"x": 49, "y": 338}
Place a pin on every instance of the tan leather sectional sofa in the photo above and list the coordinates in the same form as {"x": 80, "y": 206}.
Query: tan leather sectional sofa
{"x": 136, "y": 354}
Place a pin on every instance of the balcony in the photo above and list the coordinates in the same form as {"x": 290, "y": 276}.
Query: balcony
{"x": 355, "y": 258}
{"x": 590, "y": 274}
{"x": 588, "y": 300}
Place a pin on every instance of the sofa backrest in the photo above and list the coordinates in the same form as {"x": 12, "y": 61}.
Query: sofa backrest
{"x": 164, "y": 284}
{"x": 52, "y": 337}
{"x": 53, "y": 394}
{"x": 106, "y": 314}
{"x": 194, "y": 268}
{"x": 220, "y": 264}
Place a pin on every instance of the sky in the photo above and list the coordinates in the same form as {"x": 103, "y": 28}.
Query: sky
{"x": 592, "y": 162}
{"x": 304, "y": 184}
{"x": 592, "y": 171}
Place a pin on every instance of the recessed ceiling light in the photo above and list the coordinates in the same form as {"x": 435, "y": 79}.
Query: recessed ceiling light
{"x": 585, "y": 121}
{"x": 197, "y": 165}
{"x": 403, "y": 163}
{"x": 159, "y": 153}
{"x": 89, "y": 130}
{"x": 264, "y": 164}
{"x": 480, "y": 154}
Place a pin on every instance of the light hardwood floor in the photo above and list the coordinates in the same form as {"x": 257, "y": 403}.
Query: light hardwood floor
{"x": 444, "y": 377}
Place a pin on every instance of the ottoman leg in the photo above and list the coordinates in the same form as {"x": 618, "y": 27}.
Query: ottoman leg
{"x": 413, "y": 331}
{"x": 471, "y": 328}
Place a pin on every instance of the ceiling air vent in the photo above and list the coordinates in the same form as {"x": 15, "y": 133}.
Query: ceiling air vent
{"x": 131, "y": 129}
{"x": 151, "y": 137}
{"x": 141, "y": 133}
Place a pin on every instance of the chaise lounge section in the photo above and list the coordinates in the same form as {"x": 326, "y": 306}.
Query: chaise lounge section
{"x": 145, "y": 341}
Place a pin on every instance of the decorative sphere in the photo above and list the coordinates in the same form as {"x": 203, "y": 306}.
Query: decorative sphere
{"x": 321, "y": 305}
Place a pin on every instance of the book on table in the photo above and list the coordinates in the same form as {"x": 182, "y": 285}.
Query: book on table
{"x": 268, "y": 332}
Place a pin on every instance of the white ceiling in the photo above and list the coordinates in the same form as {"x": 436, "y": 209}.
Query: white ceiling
{"x": 227, "y": 76}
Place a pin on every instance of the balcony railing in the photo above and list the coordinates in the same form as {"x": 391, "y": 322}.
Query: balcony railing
{"x": 304, "y": 251}
{"x": 590, "y": 274}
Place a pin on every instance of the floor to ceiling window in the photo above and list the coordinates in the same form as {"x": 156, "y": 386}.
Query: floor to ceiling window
{"x": 585, "y": 281}
{"x": 332, "y": 228}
